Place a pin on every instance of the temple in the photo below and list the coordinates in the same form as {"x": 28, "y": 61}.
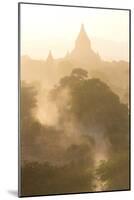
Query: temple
{"x": 82, "y": 52}
{"x": 82, "y": 41}
{"x": 50, "y": 58}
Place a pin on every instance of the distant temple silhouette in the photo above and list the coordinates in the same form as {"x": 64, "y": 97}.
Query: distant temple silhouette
{"x": 50, "y": 58}
{"x": 82, "y": 52}
{"x": 82, "y": 42}
{"x": 81, "y": 56}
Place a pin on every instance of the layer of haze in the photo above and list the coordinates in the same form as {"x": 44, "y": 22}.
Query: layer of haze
{"x": 55, "y": 28}
{"x": 74, "y": 110}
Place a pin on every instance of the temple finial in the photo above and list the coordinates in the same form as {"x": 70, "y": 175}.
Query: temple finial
{"x": 82, "y": 27}
{"x": 50, "y": 57}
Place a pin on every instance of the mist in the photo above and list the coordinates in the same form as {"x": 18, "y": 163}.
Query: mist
{"x": 74, "y": 122}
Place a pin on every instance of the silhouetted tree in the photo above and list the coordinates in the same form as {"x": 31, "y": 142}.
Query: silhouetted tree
{"x": 114, "y": 172}
{"x": 91, "y": 106}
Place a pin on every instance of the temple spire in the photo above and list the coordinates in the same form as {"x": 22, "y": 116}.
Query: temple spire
{"x": 82, "y": 28}
{"x": 50, "y": 58}
{"x": 82, "y": 32}
{"x": 82, "y": 52}
{"x": 83, "y": 41}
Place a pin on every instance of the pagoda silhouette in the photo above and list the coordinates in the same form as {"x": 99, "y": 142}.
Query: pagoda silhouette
{"x": 50, "y": 58}
{"x": 83, "y": 56}
{"x": 82, "y": 52}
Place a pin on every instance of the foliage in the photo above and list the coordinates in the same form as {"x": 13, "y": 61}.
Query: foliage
{"x": 115, "y": 172}
{"x": 94, "y": 112}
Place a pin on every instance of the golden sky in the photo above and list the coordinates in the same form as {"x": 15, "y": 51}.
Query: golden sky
{"x": 56, "y": 28}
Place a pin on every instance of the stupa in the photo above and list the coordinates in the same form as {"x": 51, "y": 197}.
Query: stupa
{"x": 82, "y": 52}
{"x": 50, "y": 58}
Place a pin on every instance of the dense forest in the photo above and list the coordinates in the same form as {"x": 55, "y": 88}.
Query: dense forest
{"x": 85, "y": 148}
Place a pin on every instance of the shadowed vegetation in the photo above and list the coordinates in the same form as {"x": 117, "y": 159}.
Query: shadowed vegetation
{"x": 61, "y": 158}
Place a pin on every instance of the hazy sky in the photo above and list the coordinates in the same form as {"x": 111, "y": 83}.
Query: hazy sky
{"x": 56, "y": 28}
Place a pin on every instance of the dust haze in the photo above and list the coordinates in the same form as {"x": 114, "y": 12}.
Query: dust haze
{"x": 74, "y": 122}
